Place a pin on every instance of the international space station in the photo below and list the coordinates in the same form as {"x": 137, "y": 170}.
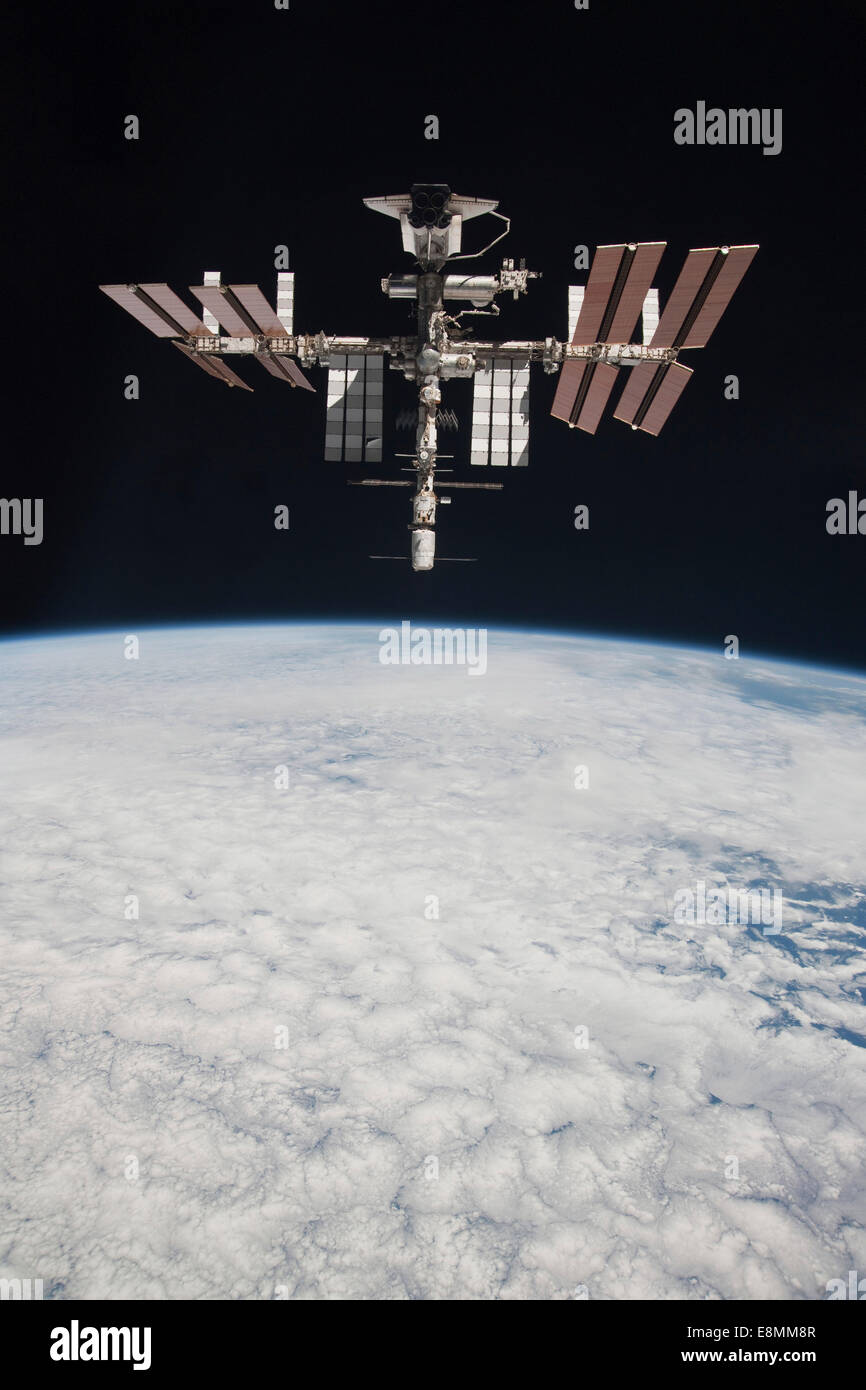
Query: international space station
{"x": 238, "y": 321}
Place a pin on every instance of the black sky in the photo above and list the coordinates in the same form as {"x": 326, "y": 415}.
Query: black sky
{"x": 260, "y": 127}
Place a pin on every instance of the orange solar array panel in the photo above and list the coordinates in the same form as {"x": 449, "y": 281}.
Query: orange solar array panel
{"x": 570, "y": 378}
{"x": 212, "y": 298}
{"x": 701, "y": 294}
{"x": 200, "y": 360}
{"x": 582, "y": 393}
{"x": 270, "y": 365}
{"x": 736, "y": 263}
{"x": 214, "y": 366}
{"x": 126, "y": 297}
{"x": 599, "y": 287}
{"x": 639, "y": 278}
{"x": 252, "y": 299}
{"x": 284, "y": 368}
{"x": 640, "y": 379}
{"x": 615, "y": 291}
{"x": 172, "y": 304}
{"x": 689, "y": 281}
{"x": 294, "y": 372}
{"x": 596, "y": 398}
{"x": 671, "y": 387}
{"x": 651, "y": 394}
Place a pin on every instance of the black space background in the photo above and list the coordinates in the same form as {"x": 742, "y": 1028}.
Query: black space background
{"x": 261, "y": 126}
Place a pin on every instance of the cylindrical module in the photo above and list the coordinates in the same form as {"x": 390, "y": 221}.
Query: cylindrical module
{"x": 479, "y": 289}
{"x": 453, "y": 364}
{"x": 423, "y": 549}
{"x": 400, "y": 286}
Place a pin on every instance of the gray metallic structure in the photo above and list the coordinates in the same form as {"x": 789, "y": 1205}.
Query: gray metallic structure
{"x": 237, "y": 320}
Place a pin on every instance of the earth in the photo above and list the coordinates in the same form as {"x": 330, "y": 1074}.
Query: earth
{"x": 329, "y": 978}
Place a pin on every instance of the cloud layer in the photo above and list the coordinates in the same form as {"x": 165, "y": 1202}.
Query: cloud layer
{"x": 288, "y": 1077}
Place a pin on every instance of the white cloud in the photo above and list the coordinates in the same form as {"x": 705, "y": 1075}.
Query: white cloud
{"x": 452, "y": 1037}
